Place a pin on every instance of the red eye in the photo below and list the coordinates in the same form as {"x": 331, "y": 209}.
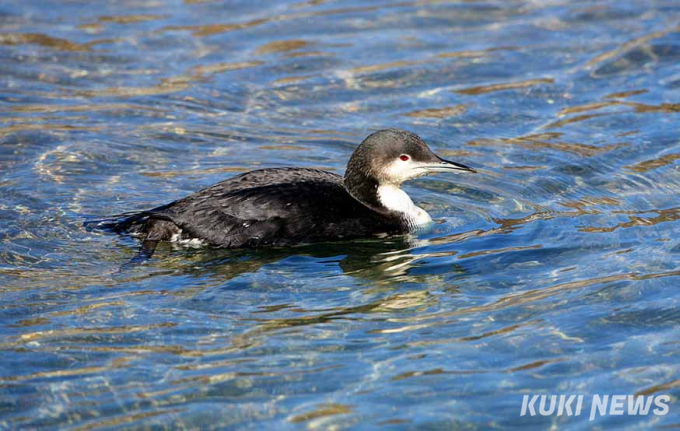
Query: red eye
{"x": 404, "y": 157}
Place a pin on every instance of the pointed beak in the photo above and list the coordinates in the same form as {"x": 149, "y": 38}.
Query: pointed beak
{"x": 445, "y": 166}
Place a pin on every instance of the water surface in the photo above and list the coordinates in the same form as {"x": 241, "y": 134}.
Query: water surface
{"x": 552, "y": 271}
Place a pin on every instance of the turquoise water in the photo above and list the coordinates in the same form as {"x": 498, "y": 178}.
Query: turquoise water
{"x": 554, "y": 270}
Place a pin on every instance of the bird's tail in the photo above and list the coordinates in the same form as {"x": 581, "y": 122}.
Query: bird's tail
{"x": 131, "y": 223}
{"x": 120, "y": 223}
{"x": 149, "y": 227}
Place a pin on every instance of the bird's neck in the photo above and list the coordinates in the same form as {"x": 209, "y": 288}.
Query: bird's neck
{"x": 387, "y": 199}
{"x": 396, "y": 200}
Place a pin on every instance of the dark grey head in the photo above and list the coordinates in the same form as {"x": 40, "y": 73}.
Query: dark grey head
{"x": 390, "y": 157}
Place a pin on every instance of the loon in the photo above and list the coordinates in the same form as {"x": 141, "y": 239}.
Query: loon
{"x": 290, "y": 206}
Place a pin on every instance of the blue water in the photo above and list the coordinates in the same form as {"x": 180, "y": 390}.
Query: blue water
{"x": 554, "y": 270}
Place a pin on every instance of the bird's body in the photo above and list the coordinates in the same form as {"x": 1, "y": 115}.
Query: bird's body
{"x": 288, "y": 206}
{"x": 268, "y": 207}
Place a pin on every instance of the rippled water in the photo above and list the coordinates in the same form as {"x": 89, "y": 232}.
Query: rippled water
{"x": 552, "y": 271}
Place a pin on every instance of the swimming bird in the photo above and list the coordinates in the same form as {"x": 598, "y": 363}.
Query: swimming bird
{"x": 289, "y": 206}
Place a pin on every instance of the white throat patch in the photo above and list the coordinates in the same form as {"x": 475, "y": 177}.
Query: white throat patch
{"x": 395, "y": 199}
{"x": 399, "y": 171}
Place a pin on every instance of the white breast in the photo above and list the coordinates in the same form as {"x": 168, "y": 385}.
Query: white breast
{"x": 395, "y": 199}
